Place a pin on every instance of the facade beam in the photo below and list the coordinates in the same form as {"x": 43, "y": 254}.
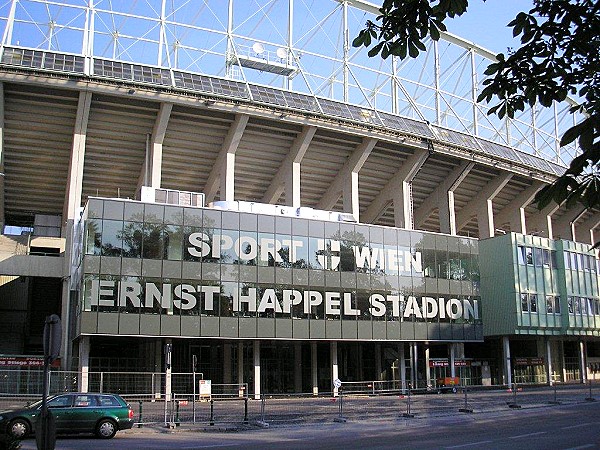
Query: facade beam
{"x": 564, "y": 227}
{"x": 439, "y": 197}
{"x": 288, "y": 176}
{"x": 585, "y": 231}
{"x": 398, "y": 189}
{"x": 481, "y": 206}
{"x": 223, "y": 169}
{"x": 352, "y": 166}
{"x": 541, "y": 222}
{"x": 152, "y": 170}
{"x": 514, "y": 212}
{"x": 75, "y": 178}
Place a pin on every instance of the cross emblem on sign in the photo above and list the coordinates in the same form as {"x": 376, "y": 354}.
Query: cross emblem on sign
{"x": 328, "y": 255}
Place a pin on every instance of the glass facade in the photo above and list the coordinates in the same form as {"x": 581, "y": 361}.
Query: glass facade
{"x": 163, "y": 270}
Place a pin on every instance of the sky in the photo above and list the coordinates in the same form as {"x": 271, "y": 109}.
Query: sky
{"x": 484, "y": 23}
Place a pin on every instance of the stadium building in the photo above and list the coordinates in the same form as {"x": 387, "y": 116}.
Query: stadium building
{"x": 231, "y": 188}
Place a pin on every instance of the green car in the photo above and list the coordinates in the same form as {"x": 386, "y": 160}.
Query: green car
{"x": 101, "y": 414}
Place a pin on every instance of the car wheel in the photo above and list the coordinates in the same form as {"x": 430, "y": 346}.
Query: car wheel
{"x": 19, "y": 428}
{"x": 106, "y": 429}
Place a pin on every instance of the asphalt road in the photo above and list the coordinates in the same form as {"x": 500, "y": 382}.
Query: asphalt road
{"x": 574, "y": 426}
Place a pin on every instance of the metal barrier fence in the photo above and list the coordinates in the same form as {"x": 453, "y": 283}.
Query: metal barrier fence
{"x": 230, "y": 403}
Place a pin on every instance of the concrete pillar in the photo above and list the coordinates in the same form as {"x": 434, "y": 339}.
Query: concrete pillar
{"x": 168, "y": 385}
{"x": 506, "y": 359}
{"x": 562, "y": 359}
{"x": 313, "y": 368}
{"x": 359, "y": 360}
{"x": 227, "y": 375}
{"x": 402, "y": 358}
{"x": 582, "y": 365}
{"x": 414, "y": 364}
{"x": 350, "y": 195}
{"x": 378, "y": 369}
{"x": 549, "y": 361}
{"x": 84, "y": 364}
{"x": 333, "y": 350}
{"x": 158, "y": 369}
{"x": 240, "y": 368}
{"x": 257, "y": 370}
{"x": 451, "y": 361}
{"x": 298, "y": 366}
{"x": 427, "y": 370}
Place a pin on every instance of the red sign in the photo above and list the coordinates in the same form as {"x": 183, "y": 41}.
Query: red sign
{"x": 25, "y": 361}
{"x": 445, "y": 363}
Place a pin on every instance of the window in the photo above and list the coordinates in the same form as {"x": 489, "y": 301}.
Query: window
{"x": 82, "y": 401}
{"x": 538, "y": 256}
{"x": 524, "y": 302}
{"x": 108, "y": 400}
{"x": 557, "y": 305}
{"x": 533, "y": 303}
{"x": 550, "y": 304}
{"x": 570, "y": 305}
{"x": 529, "y": 255}
{"x": 546, "y": 257}
{"x": 60, "y": 402}
{"x": 521, "y": 254}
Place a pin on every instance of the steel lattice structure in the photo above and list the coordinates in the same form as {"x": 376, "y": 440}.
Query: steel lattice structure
{"x": 290, "y": 46}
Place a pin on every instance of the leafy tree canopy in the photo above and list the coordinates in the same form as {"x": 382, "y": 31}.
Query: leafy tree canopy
{"x": 559, "y": 56}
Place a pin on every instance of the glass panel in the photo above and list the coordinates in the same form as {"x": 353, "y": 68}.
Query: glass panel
{"x": 524, "y": 302}
{"x": 533, "y": 303}
{"x": 111, "y": 237}
{"x": 132, "y": 236}
{"x": 93, "y": 242}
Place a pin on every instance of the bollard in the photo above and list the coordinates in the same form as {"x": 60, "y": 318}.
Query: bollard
{"x": 212, "y": 410}
{"x": 590, "y": 398}
{"x": 465, "y": 408}
{"x": 246, "y": 410}
{"x": 340, "y": 417}
{"x": 262, "y": 409}
{"x": 140, "y": 419}
{"x": 555, "y": 401}
{"x": 514, "y": 403}
{"x": 408, "y": 413}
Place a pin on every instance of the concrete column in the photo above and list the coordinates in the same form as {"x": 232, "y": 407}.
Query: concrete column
{"x": 506, "y": 359}
{"x": 414, "y": 364}
{"x": 582, "y": 365}
{"x": 451, "y": 361}
{"x": 359, "y": 361}
{"x": 298, "y": 366}
{"x": 378, "y": 369}
{"x": 350, "y": 195}
{"x": 168, "y": 384}
{"x": 292, "y": 186}
{"x": 427, "y": 370}
{"x": 158, "y": 369}
{"x": 313, "y": 368}
{"x": 84, "y": 364}
{"x": 562, "y": 358}
{"x": 227, "y": 375}
{"x": 240, "y": 368}
{"x": 257, "y": 370}
{"x": 333, "y": 351}
{"x": 402, "y": 358}
{"x": 549, "y": 361}
{"x": 228, "y": 178}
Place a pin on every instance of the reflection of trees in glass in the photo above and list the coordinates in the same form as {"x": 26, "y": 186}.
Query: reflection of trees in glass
{"x": 93, "y": 242}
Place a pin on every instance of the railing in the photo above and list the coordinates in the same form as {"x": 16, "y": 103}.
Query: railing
{"x": 230, "y": 405}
